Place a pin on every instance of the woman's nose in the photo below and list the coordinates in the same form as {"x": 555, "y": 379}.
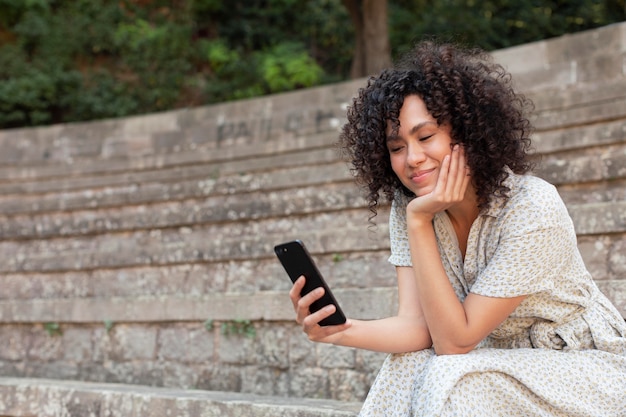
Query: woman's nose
{"x": 415, "y": 155}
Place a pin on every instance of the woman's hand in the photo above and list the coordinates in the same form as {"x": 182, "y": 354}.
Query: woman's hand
{"x": 450, "y": 189}
{"x": 310, "y": 321}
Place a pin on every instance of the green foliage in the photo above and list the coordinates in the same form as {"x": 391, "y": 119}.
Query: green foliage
{"x": 219, "y": 54}
{"x": 495, "y": 24}
{"x": 53, "y": 329}
{"x": 108, "y": 325}
{"x": 288, "y": 66}
{"x": 208, "y": 324}
{"x": 248, "y": 54}
{"x": 233, "y": 75}
{"x": 239, "y": 327}
{"x": 236, "y": 327}
{"x": 65, "y": 61}
{"x": 50, "y": 59}
{"x": 159, "y": 57}
{"x": 33, "y": 97}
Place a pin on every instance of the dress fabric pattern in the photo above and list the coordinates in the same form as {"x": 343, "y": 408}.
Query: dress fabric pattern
{"x": 562, "y": 352}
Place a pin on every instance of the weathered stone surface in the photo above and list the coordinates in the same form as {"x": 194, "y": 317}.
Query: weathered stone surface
{"x": 586, "y": 104}
{"x": 566, "y": 60}
{"x": 196, "y": 280}
{"x": 167, "y": 212}
{"x": 598, "y": 218}
{"x": 580, "y": 137}
{"x": 594, "y": 164}
{"x": 367, "y": 303}
{"x": 51, "y": 398}
{"x": 240, "y": 240}
{"x": 609, "y": 191}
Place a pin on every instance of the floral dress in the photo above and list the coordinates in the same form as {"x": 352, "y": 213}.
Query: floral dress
{"x": 562, "y": 352}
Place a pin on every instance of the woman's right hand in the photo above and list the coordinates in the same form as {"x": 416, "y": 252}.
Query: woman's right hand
{"x": 310, "y": 321}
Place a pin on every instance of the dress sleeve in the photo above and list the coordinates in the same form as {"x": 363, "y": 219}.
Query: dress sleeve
{"x": 398, "y": 236}
{"x": 536, "y": 242}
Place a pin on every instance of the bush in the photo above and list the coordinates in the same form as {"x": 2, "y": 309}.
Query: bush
{"x": 288, "y": 66}
{"x": 74, "y": 60}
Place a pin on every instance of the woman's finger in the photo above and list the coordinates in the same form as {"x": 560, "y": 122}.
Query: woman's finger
{"x": 313, "y": 319}
{"x": 442, "y": 180}
{"x": 459, "y": 172}
{"x": 296, "y": 290}
{"x": 318, "y": 333}
{"x": 303, "y": 307}
{"x": 453, "y": 179}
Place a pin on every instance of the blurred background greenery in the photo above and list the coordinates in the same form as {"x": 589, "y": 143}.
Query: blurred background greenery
{"x": 77, "y": 60}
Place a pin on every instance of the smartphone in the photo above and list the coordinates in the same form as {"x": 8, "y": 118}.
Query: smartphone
{"x": 297, "y": 261}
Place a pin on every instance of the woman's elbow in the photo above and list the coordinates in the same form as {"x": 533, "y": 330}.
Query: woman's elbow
{"x": 451, "y": 349}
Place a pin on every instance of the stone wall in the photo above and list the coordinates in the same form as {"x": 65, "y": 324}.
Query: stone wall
{"x": 139, "y": 250}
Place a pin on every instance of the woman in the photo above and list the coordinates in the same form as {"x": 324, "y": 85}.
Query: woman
{"x": 497, "y": 315}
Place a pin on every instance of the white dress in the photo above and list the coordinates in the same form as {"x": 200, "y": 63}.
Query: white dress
{"x": 562, "y": 352}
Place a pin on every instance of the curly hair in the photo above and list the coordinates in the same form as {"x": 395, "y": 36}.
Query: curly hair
{"x": 460, "y": 87}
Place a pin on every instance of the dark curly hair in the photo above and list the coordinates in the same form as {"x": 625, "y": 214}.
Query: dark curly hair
{"x": 460, "y": 87}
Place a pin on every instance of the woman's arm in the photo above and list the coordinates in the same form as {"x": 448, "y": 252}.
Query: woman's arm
{"x": 455, "y": 327}
{"x": 405, "y": 332}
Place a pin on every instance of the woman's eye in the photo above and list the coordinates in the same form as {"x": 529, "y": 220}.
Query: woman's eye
{"x": 395, "y": 149}
{"x": 426, "y": 137}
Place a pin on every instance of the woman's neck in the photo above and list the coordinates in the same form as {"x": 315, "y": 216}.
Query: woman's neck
{"x": 462, "y": 216}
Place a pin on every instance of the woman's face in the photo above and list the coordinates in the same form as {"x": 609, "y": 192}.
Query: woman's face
{"x": 417, "y": 151}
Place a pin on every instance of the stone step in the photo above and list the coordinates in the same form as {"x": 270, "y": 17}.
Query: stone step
{"x": 295, "y": 192}
{"x": 576, "y": 58}
{"x": 606, "y": 163}
{"x": 358, "y": 303}
{"x": 134, "y": 192}
{"x": 61, "y": 398}
{"x": 238, "y": 241}
{"x": 572, "y": 163}
{"x": 89, "y": 179}
{"x": 579, "y": 104}
{"x": 249, "y": 277}
{"x": 265, "y": 306}
{"x": 579, "y": 137}
{"x": 254, "y": 156}
{"x": 113, "y": 214}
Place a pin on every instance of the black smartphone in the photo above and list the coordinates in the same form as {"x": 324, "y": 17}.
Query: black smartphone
{"x": 297, "y": 261}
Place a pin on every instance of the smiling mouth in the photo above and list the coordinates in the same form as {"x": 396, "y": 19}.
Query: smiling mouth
{"x": 418, "y": 176}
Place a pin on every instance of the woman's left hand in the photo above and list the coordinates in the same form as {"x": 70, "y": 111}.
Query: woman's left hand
{"x": 450, "y": 188}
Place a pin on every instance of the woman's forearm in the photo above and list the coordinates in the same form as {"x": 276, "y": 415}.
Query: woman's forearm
{"x": 396, "y": 334}
{"x": 443, "y": 311}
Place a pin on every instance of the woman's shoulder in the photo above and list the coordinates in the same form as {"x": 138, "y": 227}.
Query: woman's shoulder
{"x": 538, "y": 198}
{"x": 531, "y": 189}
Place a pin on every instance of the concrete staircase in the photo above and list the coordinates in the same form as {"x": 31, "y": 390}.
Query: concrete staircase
{"x": 138, "y": 252}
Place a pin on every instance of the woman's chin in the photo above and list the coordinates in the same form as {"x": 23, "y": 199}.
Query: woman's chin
{"x": 420, "y": 192}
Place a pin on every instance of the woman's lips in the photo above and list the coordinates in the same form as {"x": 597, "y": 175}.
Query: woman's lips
{"x": 421, "y": 175}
